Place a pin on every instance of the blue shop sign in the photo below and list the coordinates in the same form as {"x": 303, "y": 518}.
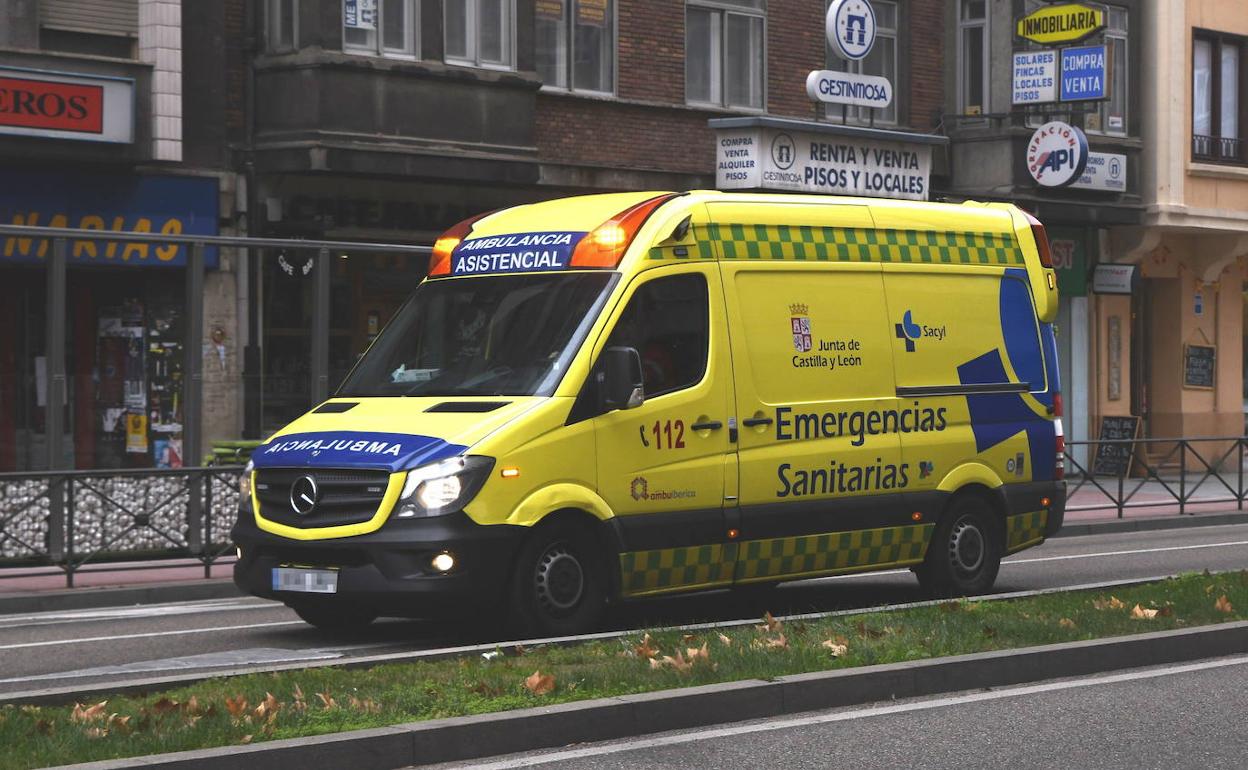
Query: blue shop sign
{"x": 1084, "y": 74}
{"x": 135, "y": 203}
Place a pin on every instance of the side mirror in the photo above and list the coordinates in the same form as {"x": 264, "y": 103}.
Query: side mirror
{"x": 619, "y": 379}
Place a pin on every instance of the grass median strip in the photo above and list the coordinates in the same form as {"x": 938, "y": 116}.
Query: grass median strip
{"x": 260, "y": 707}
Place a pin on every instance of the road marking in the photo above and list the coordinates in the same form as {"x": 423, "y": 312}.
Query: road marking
{"x": 1132, "y": 552}
{"x": 84, "y": 640}
{"x": 128, "y": 613}
{"x": 845, "y": 716}
{"x": 237, "y": 658}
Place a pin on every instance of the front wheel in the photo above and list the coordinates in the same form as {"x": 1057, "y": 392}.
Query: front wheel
{"x": 965, "y": 553}
{"x": 558, "y": 587}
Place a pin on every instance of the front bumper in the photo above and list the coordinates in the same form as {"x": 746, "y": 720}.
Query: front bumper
{"x": 389, "y": 570}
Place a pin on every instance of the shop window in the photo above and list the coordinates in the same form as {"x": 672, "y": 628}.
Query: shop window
{"x": 480, "y": 33}
{"x": 1217, "y": 98}
{"x": 280, "y": 24}
{"x": 973, "y": 69}
{"x": 576, "y": 44}
{"x": 881, "y": 62}
{"x": 724, "y": 59}
{"x": 381, "y": 27}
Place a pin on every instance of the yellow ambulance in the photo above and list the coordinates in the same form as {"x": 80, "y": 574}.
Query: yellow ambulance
{"x": 617, "y": 396}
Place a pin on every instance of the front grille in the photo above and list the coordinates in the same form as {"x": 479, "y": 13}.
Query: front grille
{"x": 343, "y": 496}
{"x": 313, "y": 556}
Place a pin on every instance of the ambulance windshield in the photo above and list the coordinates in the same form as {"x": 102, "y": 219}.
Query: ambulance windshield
{"x": 512, "y": 335}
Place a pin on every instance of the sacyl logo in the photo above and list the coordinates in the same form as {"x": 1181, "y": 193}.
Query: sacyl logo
{"x": 908, "y": 331}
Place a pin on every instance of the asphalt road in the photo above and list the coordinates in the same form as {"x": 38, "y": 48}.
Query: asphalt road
{"x": 57, "y": 649}
{"x": 1174, "y": 717}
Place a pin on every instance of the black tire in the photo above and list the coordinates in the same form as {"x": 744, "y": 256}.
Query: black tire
{"x": 559, "y": 586}
{"x": 965, "y": 553}
{"x": 334, "y": 616}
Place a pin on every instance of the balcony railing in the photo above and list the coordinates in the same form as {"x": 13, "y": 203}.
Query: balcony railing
{"x": 1218, "y": 149}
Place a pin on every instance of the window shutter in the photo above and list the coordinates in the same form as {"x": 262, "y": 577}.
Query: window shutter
{"x": 100, "y": 17}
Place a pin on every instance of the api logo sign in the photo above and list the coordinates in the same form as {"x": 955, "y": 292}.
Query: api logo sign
{"x": 1057, "y": 154}
{"x": 851, "y": 28}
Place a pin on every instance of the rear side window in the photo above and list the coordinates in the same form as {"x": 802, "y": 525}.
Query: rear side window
{"x": 668, "y": 321}
{"x": 956, "y": 329}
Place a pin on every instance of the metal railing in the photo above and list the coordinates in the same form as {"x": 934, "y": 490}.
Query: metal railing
{"x": 65, "y": 520}
{"x": 1142, "y": 473}
{"x": 1218, "y": 148}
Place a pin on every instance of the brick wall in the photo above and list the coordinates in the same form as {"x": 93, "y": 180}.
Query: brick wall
{"x": 924, "y": 42}
{"x": 649, "y": 126}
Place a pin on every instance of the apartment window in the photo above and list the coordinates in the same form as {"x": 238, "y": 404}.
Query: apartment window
{"x": 480, "y": 33}
{"x": 280, "y": 18}
{"x": 381, "y": 27}
{"x": 724, "y": 53}
{"x": 882, "y": 62}
{"x": 576, "y": 44}
{"x": 973, "y": 57}
{"x": 1217, "y": 98}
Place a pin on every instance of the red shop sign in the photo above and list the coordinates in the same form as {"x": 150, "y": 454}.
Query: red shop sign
{"x": 50, "y": 105}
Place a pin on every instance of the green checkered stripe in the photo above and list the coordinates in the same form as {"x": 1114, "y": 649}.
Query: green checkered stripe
{"x": 849, "y": 244}
{"x": 1024, "y": 529}
{"x": 673, "y": 568}
{"x": 833, "y": 552}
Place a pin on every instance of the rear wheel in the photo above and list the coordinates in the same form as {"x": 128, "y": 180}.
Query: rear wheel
{"x": 334, "y": 616}
{"x": 965, "y": 553}
{"x": 558, "y": 587}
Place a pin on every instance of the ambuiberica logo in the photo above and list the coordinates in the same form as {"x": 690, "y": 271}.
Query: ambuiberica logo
{"x": 910, "y": 332}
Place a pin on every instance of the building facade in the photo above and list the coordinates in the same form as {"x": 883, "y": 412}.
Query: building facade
{"x": 115, "y": 115}
{"x": 391, "y": 121}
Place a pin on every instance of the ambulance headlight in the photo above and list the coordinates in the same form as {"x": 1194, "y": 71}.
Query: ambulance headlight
{"x": 438, "y": 488}
{"x": 244, "y": 480}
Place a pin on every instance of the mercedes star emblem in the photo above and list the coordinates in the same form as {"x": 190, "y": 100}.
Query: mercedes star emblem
{"x": 303, "y": 495}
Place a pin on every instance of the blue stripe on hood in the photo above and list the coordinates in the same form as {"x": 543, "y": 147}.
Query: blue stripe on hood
{"x": 353, "y": 449}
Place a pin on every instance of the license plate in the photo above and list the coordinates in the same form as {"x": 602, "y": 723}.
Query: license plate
{"x": 314, "y": 581}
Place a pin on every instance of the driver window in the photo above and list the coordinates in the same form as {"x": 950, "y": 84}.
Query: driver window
{"x": 668, "y": 322}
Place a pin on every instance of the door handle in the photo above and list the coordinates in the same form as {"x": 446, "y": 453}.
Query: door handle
{"x": 754, "y": 422}
{"x": 708, "y": 425}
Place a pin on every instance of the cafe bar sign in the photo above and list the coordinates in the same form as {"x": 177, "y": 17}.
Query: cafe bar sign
{"x": 55, "y": 105}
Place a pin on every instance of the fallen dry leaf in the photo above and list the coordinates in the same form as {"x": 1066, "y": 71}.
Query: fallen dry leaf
{"x": 88, "y": 714}
{"x": 989, "y": 632}
{"x": 245, "y": 739}
{"x": 44, "y": 727}
{"x": 539, "y": 683}
{"x": 645, "y": 650}
{"x": 867, "y": 632}
{"x": 779, "y": 643}
{"x": 327, "y": 700}
{"x": 724, "y": 640}
{"x": 1112, "y": 603}
{"x": 688, "y": 638}
{"x": 1223, "y": 605}
{"x": 164, "y": 706}
{"x": 836, "y": 647}
{"x": 237, "y": 706}
{"x": 677, "y": 662}
{"x": 96, "y": 733}
{"x": 698, "y": 653}
{"x": 770, "y": 624}
{"x": 1142, "y": 613}
{"x": 1066, "y": 623}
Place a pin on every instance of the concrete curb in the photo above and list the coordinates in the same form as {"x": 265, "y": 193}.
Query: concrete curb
{"x": 224, "y": 588}
{"x": 96, "y": 598}
{"x": 466, "y": 738}
{"x": 1151, "y": 524}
